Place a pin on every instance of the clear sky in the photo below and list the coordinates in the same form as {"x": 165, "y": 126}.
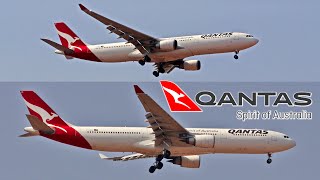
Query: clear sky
{"x": 287, "y": 30}
{"x": 115, "y": 104}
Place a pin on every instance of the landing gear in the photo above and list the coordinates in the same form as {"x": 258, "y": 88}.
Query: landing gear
{"x": 142, "y": 62}
{"x": 158, "y": 164}
{"x": 155, "y": 73}
{"x": 236, "y": 55}
{"x": 166, "y": 153}
{"x": 269, "y": 158}
{"x": 158, "y": 68}
{"x": 161, "y": 70}
{"x": 152, "y": 169}
{"x": 147, "y": 59}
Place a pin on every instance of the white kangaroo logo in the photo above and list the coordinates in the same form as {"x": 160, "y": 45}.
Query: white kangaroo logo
{"x": 70, "y": 40}
{"x": 45, "y": 116}
{"x": 176, "y": 96}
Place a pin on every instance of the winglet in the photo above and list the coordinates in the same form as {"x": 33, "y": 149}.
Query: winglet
{"x": 137, "y": 89}
{"x": 83, "y": 8}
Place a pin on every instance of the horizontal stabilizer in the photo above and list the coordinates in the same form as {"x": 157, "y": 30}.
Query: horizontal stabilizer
{"x": 39, "y": 125}
{"x": 102, "y": 156}
{"x": 58, "y": 46}
{"x": 28, "y": 134}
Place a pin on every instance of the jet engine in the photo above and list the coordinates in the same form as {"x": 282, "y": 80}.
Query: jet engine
{"x": 167, "y": 45}
{"x": 187, "y": 161}
{"x": 191, "y": 65}
{"x": 203, "y": 141}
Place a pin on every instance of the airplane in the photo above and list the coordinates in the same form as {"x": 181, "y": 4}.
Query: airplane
{"x": 163, "y": 138}
{"x": 165, "y": 53}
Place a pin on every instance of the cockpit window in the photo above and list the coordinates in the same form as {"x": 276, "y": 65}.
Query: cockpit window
{"x": 249, "y": 35}
{"x": 286, "y": 136}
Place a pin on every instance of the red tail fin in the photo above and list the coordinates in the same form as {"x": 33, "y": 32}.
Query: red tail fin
{"x": 68, "y": 38}
{"x": 37, "y": 107}
{"x": 177, "y": 99}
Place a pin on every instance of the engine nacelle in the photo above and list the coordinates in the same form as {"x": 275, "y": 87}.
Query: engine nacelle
{"x": 191, "y": 65}
{"x": 167, "y": 45}
{"x": 204, "y": 141}
{"x": 187, "y": 161}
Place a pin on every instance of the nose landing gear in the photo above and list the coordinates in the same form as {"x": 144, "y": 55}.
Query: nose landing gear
{"x": 236, "y": 55}
{"x": 269, "y": 158}
{"x": 158, "y": 164}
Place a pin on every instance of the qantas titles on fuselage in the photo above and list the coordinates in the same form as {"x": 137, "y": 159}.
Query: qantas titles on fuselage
{"x": 163, "y": 138}
{"x": 165, "y": 53}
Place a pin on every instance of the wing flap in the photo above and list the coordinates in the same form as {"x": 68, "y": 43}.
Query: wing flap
{"x": 126, "y": 157}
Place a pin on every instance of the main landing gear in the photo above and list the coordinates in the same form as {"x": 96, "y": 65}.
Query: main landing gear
{"x": 158, "y": 164}
{"x": 269, "y": 158}
{"x": 158, "y": 69}
{"x": 236, "y": 55}
{"x": 145, "y": 59}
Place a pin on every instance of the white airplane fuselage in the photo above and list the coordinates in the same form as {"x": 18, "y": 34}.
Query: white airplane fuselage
{"x": 141, "y": 140}
{"x": 188, "y": 46}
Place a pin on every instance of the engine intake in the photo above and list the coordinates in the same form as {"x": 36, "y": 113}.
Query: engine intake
{"x": 192, "y": 161}
{"x": 204, "y": 141}
{"x": 167, "y": 45}
{"x": 191, "y": 65}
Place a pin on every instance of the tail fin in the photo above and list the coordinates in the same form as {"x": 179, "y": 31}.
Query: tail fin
{"x": 41, "y": 111}
{"x": 68, "y": 38}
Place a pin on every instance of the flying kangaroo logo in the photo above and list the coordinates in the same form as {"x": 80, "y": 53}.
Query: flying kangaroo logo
{"x": 70, "y": 40}
{"x": 177, "y": 99}
{"x": 176, "y": 96}
{"x": 45, "y": 116}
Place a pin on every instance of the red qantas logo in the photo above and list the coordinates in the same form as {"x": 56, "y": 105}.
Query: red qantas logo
{"x": 177, "y": 99}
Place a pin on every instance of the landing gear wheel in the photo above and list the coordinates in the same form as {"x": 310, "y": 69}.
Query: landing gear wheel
{"x": 269, "y": 161}
{"x": 269, "y": 158}
{"x": 152, "y": 169}
{"x": 236, "y": 57}
{"x": 156, "y": 73}
{"x": 159, "y": 165}
{"x": 166, "y": 154}
{"x": 142, "y": 62}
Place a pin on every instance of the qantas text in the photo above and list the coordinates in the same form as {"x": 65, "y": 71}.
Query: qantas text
{"x": 247, "y": 131}
{"x": 299, "y": 99}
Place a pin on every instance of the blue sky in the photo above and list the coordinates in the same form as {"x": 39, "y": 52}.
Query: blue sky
{"x": 287, "y": 30}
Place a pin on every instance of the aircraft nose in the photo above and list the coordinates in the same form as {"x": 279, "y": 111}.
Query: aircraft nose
{"x": 255, "y": 41}
{"x": 292, "y": 143}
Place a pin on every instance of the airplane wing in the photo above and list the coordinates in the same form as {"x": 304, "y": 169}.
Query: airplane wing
{"x": 140, "y": 40}
{"x": 125, "y": 158}
{"x": 167, "y": 131}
